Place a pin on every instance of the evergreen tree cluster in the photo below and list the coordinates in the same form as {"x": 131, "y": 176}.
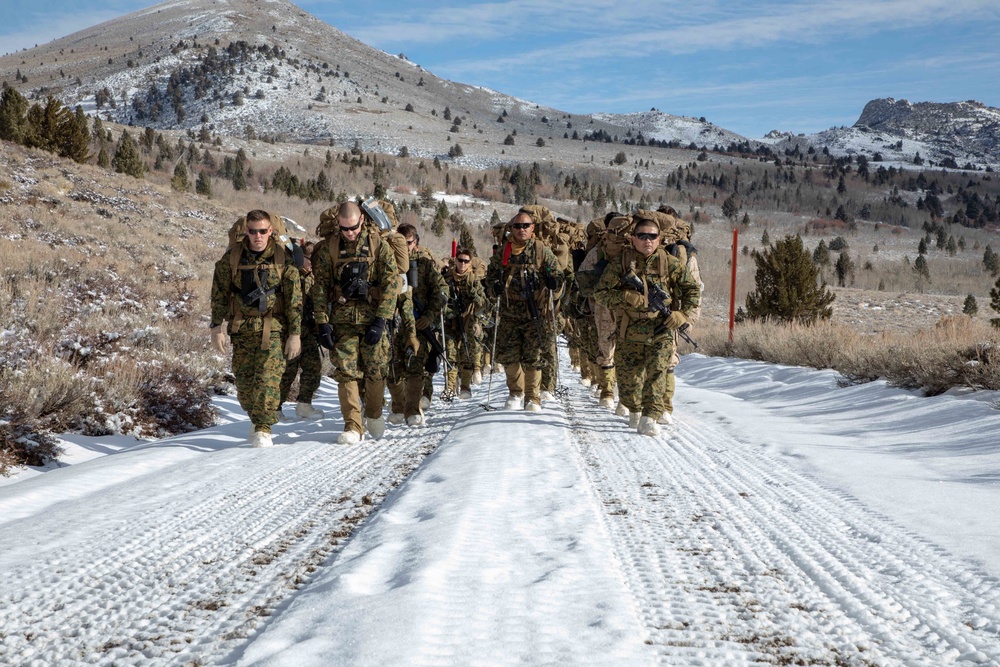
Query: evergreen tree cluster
{"x": 50, "y": 126}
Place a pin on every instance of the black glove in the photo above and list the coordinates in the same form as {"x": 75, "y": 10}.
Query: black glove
{"x": 551, "y": 281}
{"x": 375, "y": 331}
{"x": 325, "y": 336}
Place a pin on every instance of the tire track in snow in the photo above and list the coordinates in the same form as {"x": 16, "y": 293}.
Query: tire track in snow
{"x": 193, "y": 587}
{"x": 734, "y": 558}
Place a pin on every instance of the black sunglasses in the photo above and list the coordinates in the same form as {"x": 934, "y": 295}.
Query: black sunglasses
{"x": 462, "y": 261}
{"x": 350, "y": 229}
{"x": 521, "y": 225}
{"x": 646, "y": 236}
{"x": 258, "y": 231}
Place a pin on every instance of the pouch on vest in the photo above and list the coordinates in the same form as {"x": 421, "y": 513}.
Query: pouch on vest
{"x": 354, "y": 281}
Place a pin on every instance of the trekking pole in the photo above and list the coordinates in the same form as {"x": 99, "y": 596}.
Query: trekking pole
{"x": 448, "y": 394}
{"x": 560, "y": 389}
{"x": 493, "y": 355}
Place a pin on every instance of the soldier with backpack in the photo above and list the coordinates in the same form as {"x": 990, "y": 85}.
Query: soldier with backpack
{"x": 681, "y": 248}
{"x": 636, "y": 286}
{"x": 428, "y": 294}
{"x": 309, "y": 361}
{"x": 466, "y": 298}
{"x": 354, "y": 296}
{"x": 522, "y": 275}
{"x": 256, "y": 288}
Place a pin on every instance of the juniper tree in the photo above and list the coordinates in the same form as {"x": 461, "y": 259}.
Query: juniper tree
{"x": 787, "y": 285}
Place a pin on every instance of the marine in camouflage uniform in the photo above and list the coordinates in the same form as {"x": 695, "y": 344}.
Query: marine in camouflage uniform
{"x": 353, "y": 315}
{"x": 405, "y": 344}
{"x": 645, "y": 338}
{"x": 262, "y": 329}
{"x": 428, "y": 294}
{"x": 309, "y": 360}
{"x": 523, "y": 267}
{"x": 466, "y": 297}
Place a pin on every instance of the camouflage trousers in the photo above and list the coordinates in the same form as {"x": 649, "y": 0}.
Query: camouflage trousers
{"x": 642, "y": 372}
{"x": 518, "y": 342}
{"x": 258, "y": 376}
{"x": 311, "y": 365}
{"x": 607, "y": 332}
{"x": 460, "y": 355}
{"x": 549, "y": 354}
{"x": 353, "y": 358}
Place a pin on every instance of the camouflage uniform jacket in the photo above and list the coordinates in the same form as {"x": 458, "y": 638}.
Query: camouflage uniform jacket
{"x": 661, "y": 269}
{"x": 507, "y": 273}
{"x": 283, "y": 302}
{"x": 329, "y": 306}
{"x": 431, "y": 291}
{"x": 466, "y": 297}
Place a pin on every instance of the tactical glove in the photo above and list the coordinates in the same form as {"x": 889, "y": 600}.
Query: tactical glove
{"x": 375, "y": 331}
{"x": 634, "y": 299}
{"x": 423, "y": 322}
{"x": 551, "y": 280}
{"x": 676, "y": 320}
{"x": 218, "y": 339}
{"x": 325, "y": 335}
{"x": 293, "y": 346}
{"x": 413, "y": 343}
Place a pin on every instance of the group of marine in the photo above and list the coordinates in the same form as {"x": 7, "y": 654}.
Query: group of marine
{"x": 620, "y": 289}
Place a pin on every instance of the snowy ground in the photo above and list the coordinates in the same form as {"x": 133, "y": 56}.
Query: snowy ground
{"x": 782, "y": 520}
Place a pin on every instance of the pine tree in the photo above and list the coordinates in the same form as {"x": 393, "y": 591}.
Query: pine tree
{"x": 180, "y": 180}
{"x": 970, "y": 307}
{"x": 204, "y": 184}
{"x": 13, "y": 115}
{"x": 995, "y": 303}
{"x": 102, "y": 158}
{"x": 821, "y": 255}
{"x": 127, "y": 159}
{"x": 495, "y": 219}
{"x": 922, "y": 247}
{"x": 731, "y": 207}
{"x": 765, "y": 239}
{"x": 465, "y": 239}
{"x": 845, "y": 269}
{"x": 787, "y": 286}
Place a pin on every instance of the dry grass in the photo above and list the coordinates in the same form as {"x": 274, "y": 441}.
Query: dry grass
{"x": 961, "y": 352}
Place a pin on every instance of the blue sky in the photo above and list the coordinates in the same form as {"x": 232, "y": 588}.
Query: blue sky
{"x": 745, "y": 65}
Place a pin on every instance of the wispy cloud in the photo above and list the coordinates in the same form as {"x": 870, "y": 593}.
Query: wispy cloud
{"x": 53, "y": 27}
{"x": 602, "y": 30}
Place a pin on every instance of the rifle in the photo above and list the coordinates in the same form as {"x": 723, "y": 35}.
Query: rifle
{"x": 428, "y": 334}
{"x": 529, "y": 285}
{"x": 659, "y": 301}
{"x": 457, "y": 304}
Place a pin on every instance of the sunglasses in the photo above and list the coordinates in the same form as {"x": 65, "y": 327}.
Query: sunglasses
{"x": 521, "y": 225}
{"x": 646, "y": 236}
{"x": 462, "y": 261}
{"x": 350, "y": 229}
{"x": 410, "y": 241}
{"x": 258, "y": 231}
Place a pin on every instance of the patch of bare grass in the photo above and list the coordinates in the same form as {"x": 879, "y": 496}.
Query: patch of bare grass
{"x": 962, "y": 352}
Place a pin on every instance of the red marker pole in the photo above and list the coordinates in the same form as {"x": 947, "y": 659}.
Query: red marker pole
{"x": 454, "y": 247}
{"x": 732, "y": 287}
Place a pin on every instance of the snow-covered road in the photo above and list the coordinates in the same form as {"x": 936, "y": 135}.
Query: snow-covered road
{"x": 740, "y": 536}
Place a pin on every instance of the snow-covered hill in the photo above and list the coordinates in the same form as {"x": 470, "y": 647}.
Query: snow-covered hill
{"x": 782, "y": 520}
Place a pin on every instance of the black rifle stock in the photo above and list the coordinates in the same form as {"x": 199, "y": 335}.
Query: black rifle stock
{"x": 659, "y": 301}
